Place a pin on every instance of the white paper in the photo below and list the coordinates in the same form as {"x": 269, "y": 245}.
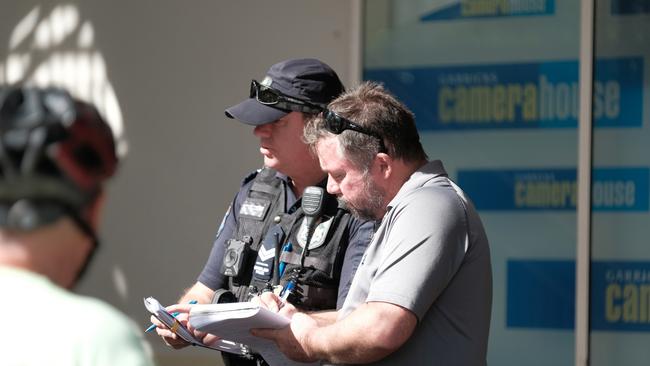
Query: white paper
{"x": 157, "y": 310}
{"x": 233, "y": 321}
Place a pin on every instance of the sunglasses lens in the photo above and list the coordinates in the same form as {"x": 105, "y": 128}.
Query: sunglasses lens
{"x": 269, "y": 96}
{"x": 266, "y": 96}
{"x": 334, "y": 123}
{"x": 263, "y": 94}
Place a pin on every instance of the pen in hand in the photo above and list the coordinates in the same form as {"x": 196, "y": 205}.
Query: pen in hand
{"x": 174, "y": 314}
{"x": 286, "y": 293}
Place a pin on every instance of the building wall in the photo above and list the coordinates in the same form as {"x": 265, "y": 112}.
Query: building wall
{"x": 167, "y": 70}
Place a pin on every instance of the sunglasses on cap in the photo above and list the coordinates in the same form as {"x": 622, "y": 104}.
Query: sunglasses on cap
{"x": 337, "y": 124}
{"x": 269, "y": 96}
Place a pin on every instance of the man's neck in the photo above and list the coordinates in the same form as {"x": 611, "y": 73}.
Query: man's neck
{"x": 402, "y": 172}
{"x": 55, "y": 251}
{"x": 300, "y": 182}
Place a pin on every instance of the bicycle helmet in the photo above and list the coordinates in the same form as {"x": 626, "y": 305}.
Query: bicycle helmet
{"x": 55, "y": 154}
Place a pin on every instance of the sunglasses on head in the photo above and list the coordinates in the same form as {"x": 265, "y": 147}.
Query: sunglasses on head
{"x": 269, "y": 96}
{"x": 337, "y": 124}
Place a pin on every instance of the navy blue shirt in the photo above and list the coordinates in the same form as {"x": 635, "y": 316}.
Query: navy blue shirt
{"x": 360, "y": 233}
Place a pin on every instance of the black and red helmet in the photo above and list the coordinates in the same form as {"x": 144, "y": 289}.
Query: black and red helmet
{"x": 55, "y": 154}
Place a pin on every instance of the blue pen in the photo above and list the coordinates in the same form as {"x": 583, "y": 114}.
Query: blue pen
{"x": 174, "y": 314}
{"x": 286, "y": 292}
{"x": 287, "y": 248}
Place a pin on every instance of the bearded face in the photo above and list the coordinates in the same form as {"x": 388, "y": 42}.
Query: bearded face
{"x": 368, "y": 202}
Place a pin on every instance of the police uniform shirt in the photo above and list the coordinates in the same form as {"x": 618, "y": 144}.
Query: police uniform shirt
{"x": 360, "y": 235}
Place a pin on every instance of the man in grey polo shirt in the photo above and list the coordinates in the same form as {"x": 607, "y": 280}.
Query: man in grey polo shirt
{"x": 423, "y": 291}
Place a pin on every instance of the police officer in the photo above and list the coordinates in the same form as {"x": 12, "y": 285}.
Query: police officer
{"x": 269, "y": 239}
{"x": 55, "y": 155}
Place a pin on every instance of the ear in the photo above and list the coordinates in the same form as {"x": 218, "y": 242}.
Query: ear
{"x": 385, "y": 165}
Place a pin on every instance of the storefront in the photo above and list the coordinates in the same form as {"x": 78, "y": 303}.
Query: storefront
{"x": 562, "y": 185}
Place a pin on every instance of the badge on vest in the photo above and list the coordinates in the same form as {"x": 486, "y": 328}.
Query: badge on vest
{"x": 263, "y": 269}
{"x": 254, "y": 208}
{"x": 318, "y": 238}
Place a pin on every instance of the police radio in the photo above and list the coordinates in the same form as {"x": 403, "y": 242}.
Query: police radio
{"x": 312, "y": 206}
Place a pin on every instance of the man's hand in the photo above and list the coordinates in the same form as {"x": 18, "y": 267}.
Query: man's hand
{"x": 292, "y": 340}
{"x": 274, "y": 303}
{"x": 183, "y": 311}
{"x": 349, "y": 340}
{"x": 288, "y": 339}
{"x": 170, "y": 338}
{"x": 199, "y": 293}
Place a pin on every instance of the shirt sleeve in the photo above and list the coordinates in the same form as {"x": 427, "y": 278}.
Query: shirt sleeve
{"x": 211, "y": 275}
{"x": 425, "y": 244}
{"x": 360, "y": 236}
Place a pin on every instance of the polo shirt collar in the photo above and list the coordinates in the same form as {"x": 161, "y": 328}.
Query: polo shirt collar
{"x": 425, "y": 173}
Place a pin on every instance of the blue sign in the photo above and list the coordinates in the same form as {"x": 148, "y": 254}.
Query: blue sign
{"x": 620, "y": 296}
{"x": 613, "y": 189}
{"x": 521, "y": 95}
{"x": 541, "y": 294}
{"x": 467, "y": 9}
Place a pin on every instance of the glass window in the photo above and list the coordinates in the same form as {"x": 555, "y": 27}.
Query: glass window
{"x": 494, "y": 87}
{"x": 620, "y": 263}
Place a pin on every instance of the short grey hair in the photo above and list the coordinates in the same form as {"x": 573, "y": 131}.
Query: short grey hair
{"x": 372, "y": 107}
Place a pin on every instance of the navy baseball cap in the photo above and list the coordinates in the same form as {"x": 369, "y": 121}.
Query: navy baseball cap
{"x": 306, "y": 79}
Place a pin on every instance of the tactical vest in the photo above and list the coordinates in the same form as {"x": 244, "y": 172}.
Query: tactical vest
{"x": 268, "y": 241}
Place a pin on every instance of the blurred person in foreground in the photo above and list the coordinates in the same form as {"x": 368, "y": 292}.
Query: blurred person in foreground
{"x": 423, "y": 291}
{"x": 55, "y": 155}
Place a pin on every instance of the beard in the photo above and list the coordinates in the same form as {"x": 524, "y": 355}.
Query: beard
{"x": 369, "y": 205}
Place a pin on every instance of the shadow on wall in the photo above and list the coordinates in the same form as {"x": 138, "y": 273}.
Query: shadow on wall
{"x": 54, "y": 46}
{"x": 57, "y": 49}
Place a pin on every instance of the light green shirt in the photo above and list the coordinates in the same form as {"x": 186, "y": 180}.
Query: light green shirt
{"x": 44, "y": 324}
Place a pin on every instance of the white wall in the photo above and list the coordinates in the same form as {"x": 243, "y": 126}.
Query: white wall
{"x": 174, "y": 66}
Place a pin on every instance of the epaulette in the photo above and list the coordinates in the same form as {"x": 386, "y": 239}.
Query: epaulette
{"x": 250, "y": 176}
{"x": 265, "y": 174}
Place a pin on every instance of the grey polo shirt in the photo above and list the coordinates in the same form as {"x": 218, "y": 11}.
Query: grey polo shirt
{"x": 430, "y": 255}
